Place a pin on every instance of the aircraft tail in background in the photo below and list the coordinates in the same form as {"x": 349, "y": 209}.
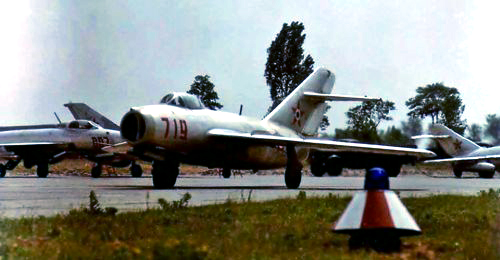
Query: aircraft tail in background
{"x": 83, "y": 111}
{"x": 452, "y": 143}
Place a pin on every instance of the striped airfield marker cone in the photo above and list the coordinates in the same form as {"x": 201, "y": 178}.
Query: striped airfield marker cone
{"x": 376, "y": 217}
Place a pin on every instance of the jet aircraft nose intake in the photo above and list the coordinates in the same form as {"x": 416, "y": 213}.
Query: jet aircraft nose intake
{"x": 133, "y": 126}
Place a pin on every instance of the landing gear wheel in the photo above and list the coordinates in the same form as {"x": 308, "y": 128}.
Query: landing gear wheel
{"x": 458, "y": 173}
{"x": 335, "y": 170}
{"x": 136, "y": 170}
{"x": 293, "y": 177}
{"x": 3, "y": 170}
{"x": 96, "y": 171}
{"x": 42, "y": 170}
{"x": 165, "y": 174}
{"x": 317, "y": 168}
{"x": 226, "y": 173}
{"x": 293, "y": 172}
{"x": 393, "y": 171}
{"x": 486, "y": 175}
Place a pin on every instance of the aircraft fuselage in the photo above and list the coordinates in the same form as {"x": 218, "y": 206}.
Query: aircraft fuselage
{"x": 183, "y": 133}
{"x": 44, "y": 144}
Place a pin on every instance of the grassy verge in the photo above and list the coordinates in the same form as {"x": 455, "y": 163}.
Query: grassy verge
{"x": 459, "y": 227}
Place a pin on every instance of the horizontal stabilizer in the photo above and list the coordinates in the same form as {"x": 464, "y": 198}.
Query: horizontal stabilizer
{"x": 430, "y": 137}
{"x": 329, "y": 97}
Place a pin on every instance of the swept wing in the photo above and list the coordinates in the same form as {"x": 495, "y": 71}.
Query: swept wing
{"x": 465, "y": 159}
{"x": 324, "y": 145}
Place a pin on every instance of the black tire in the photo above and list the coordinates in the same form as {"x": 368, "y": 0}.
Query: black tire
{"x": 486, "y": 175}
{"x": 42, "y": 170}
{"x": 96, "y": 171}
{"x": 164, "y": 174}
{"x": 393, "y": 170}
{"x": 226, "y": 173}
{"x": 317, "y": 168}
{"x": 293, "y": 177}
{"x": 335, "y": 170}
{"x": 136, "y": 170}
{"x": 3, "y": 170}
{"x": 458, "y": 173}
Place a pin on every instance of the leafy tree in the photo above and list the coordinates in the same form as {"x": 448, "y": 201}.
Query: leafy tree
{"x": 286, "y": 67}
{"x": 475, "y": 132}
{"x": 493, "y": 127}
{"x": 364, "y": 119}
{"x": 325, "y": 123}
{"x": 204, "y": 89}
{"x": 343, "y": 134}
{"x": 412, "y": 127}
{"x": 443, "y": 104}
{"x": 395, "y": 136}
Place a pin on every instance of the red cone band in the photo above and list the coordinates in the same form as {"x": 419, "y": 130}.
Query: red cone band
{"x": 374, "y": 211}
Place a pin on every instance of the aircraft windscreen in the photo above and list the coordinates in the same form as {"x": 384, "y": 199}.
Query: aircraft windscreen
{"x": 182, "y": 100}
{"x": 192, "y": 102}
{"x": 81, "y": 124}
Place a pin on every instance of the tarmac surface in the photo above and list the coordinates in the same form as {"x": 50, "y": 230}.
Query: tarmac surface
{"x": 31, "y": 196}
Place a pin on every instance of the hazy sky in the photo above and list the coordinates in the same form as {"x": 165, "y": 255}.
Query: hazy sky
{"x": 117, "y": 54}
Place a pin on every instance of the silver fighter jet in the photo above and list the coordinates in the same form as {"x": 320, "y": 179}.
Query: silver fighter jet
{"x": 45, "y": 146}
{"x": 466, "y": 156}
{"x": 181, "y": 130}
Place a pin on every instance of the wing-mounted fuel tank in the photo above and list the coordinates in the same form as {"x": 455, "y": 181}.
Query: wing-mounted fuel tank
{"x": 477, "y": 167}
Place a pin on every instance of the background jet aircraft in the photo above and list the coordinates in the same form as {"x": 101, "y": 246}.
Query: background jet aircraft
{"x": 46, "y": 146}
{"x": 181, "y": 130}
{"x": 83, "y": 111}
{"x": 466, "y": 155}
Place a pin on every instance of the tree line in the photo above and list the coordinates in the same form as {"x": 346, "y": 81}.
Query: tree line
{"x": 287, "y": 66}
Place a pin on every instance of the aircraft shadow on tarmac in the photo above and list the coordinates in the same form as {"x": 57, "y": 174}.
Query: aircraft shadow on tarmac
{"x": 130, "y": 187}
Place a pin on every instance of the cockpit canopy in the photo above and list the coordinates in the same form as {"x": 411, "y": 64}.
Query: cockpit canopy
{"x": 82, "y": 124}
{"x": 184, "y": 100}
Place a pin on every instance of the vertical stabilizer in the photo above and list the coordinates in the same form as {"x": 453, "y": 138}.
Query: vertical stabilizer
{"x": 452, "y": 143}
{"x": 83, "y": 111}
{"x": 297, "y": 110}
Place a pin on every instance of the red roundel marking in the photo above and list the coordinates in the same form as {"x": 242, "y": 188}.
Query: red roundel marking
{"x": 297, "y": 113}
{"x": 377, "y": 213}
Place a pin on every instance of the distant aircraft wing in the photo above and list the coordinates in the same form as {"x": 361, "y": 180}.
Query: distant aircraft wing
{"x": 7, "y": 144}
{"x": 320, "y": 144}
{"x": 10, "y": 150}
{"x": 464, "y": 159}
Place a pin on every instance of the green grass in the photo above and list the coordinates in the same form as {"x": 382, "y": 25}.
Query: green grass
{"x": 459, "y": 227}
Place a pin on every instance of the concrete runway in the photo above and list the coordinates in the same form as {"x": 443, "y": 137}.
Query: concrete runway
{"x": 32, "y": 196}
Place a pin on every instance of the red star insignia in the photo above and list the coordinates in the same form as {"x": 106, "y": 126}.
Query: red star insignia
{"x": 297, "y": 113}
{"x": 458, "y": 144}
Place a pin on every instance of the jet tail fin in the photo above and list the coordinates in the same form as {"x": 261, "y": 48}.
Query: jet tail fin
{"x": 303, "y": 109}
{"x": 83, "y": 111}
{"x": 452, "y": 143}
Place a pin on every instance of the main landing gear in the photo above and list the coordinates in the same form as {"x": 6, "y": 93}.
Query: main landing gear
{"x": 96, "y": 171}
{"x": 3, "y": 170}
{"x": 293, "y": 171}
{"x": 165, "y": 174}
{"x": 226, "y": 173}
{"x": 135, "y": 170}
{"x": 10, "y": 165}
{"x": 42, "y": 170}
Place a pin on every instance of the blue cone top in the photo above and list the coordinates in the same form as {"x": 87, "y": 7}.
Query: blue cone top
{"x": 376, "y": 179}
